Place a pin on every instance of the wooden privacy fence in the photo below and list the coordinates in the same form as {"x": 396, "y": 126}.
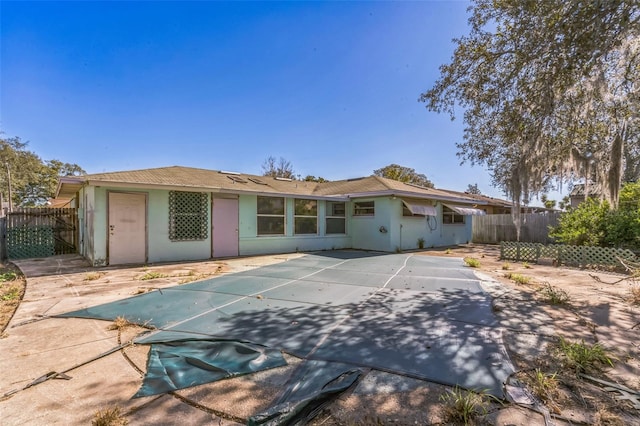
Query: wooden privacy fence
{"x": 495, "y": 228}
{"x": 560, "y": 254}
{"x": 40, "y": 232}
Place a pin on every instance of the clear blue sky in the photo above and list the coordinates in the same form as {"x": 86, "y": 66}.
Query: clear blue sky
{"x": 331, "y": 87}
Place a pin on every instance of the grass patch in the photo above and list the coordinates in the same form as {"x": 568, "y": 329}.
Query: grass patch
{"x": 447, "y": 251}
{"x": 8, "y": 276}
{"x": 634, "y": 295}
{"x": 553, "y": 295}
{"x": 11, "y": 293}
{"x": 109, "y": 417}
{"x": 583, "y": 357}
{"x": 506, "y": 266}
{"x": 152, "y": 276}
{"x": 543, "y": 385}
{"x": 472, "y": 262}
{"x": 518, "y": 278}
{"x": 120, "y": 323}
{"x": 526, "y": 265}
{"x": 463, "y": 406}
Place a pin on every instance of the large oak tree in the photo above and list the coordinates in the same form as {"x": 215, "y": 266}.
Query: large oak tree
{"x": 550, "y": 93}
{"x": 28, "y": 179}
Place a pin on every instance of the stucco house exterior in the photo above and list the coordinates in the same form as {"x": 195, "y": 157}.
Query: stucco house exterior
{"x": 181, "y": 213}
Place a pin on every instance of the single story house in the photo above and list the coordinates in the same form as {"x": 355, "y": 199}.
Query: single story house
{"x": 181, "y": 213}
{"x": 576, "y": 196}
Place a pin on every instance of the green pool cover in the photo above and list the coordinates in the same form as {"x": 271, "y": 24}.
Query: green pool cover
{"x": 413, "y": 315}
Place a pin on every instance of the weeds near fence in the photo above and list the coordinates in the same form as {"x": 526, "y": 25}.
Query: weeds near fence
{"x": 8, "y": 276}
{"x": 518, "y": 278}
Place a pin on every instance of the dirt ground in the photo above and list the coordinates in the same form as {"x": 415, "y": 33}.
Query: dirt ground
{"x": 555, "y": 303}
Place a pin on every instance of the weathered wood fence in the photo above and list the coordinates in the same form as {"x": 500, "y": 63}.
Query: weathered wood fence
{"x": 40, "y": 232}
{"x": 495, "y": 228}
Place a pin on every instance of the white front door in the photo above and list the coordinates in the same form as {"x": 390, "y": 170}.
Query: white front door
{"x": 127, "y": 228}
{"x": 224, "y": 224}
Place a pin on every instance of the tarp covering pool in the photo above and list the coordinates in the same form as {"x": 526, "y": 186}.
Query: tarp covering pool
{"x": 425, "y": 317}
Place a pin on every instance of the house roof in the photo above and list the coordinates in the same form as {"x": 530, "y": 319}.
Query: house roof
{"x": 194, "y": 179}
{"x": 578, "y": 190}
{"x": 484, "y": 199}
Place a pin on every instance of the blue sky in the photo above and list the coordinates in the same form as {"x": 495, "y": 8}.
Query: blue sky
{"x": 331, "y": 87}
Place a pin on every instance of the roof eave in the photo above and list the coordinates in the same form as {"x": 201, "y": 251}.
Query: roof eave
{"x": 215, "y": 189}
{"x": 410, "y": 194}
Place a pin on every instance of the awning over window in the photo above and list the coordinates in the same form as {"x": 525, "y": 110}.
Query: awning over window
{"x": 466, "y": 211}
{"x": 420, "y": 207}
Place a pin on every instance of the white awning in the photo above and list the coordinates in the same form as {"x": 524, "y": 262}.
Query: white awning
{"x": 466, "y": 211}
{"x": 420, "y": 207}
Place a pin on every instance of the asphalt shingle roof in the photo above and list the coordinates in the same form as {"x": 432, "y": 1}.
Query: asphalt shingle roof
{"x": 180, "y": 177}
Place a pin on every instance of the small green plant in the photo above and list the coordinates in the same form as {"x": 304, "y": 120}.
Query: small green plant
{"x": 447, "y": 251}
{"x": 543, "y": 385}
{"x": 13, "y": 293}
{"x": 8, "y": 276}
{"x": 518, "y": 278}
{"x": 472, "y": 262}
{"x": 421, "y": 243}
{"x": 463, "y": 406}
{"x": 583, "y": 357}
{"x": 553, "y": 295}
{"x": 526, "y": 265}
{"x": 152, "y": 276}
{"x": 506, "y": 266}
{"x": 109, "y": 417}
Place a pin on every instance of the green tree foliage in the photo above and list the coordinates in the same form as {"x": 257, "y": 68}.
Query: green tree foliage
{"x": 546, "y": 202}
{"x": 565, "y": 203}
{"x": 278, "y": 168}
{"x": 473, "y": 189}
{"x": 33, "y": 181}
{"x": 594, "y": 223}
{"x": 403, "y": 174}
{"x": 311, "y": 178}
{"x": 584, "y": 225}
{"x": 549, "y": 91}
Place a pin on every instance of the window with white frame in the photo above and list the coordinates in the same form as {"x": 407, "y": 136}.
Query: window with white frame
{"x": 305, "y": 216}
{"x": 335, "y": 217}
{"x": 364, "y": 208}
{"x": 270, "y": 215}
{"x": 450, "y": 216}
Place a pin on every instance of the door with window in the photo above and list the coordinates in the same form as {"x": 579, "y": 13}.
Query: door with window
{"x": 224, "y": 224}
{"x": 127, "y": 228}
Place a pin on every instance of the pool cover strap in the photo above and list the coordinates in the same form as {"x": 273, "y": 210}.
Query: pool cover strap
{"x": 181, "y": 364}
{"x": 311, "y": 387}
